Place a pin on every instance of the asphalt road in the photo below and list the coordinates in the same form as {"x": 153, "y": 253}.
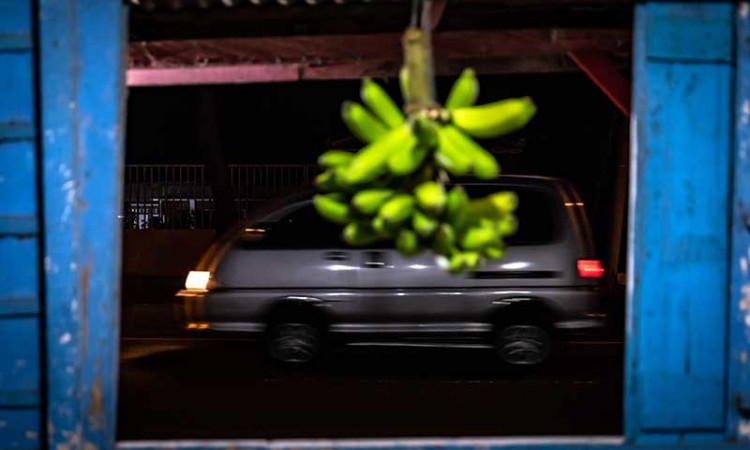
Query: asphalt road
{"x": 187, "y": 388}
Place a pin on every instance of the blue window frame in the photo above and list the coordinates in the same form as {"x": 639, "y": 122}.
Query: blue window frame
{"x": 688, "y": 379}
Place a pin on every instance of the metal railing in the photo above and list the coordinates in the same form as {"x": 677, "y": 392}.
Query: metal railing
{"x": 180, "y": 196}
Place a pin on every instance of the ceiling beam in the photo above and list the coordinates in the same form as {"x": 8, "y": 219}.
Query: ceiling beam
{"x": 385, "y": 46}
{"x": 256, "y": 60}
{"x": 287, "y": 72}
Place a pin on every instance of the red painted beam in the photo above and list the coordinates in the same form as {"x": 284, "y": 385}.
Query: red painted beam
{"x": 385, "y": 46}
{"x": 599, "y": 67}
{"x": 286, "y": 72}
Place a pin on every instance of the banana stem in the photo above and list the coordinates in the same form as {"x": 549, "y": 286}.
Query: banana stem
{"x": 420, "y": 81}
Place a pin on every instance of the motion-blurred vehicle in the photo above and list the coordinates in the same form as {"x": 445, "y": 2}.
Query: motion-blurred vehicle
{"x": 290, "y": 278}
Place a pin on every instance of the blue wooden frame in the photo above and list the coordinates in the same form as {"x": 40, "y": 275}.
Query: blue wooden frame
{"x": 82, "y": 66}
{"x": 687, "y": 370}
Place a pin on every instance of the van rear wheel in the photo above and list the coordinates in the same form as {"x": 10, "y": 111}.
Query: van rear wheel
{"x": 523, "y": 344}
{"x": 294, "y": 343}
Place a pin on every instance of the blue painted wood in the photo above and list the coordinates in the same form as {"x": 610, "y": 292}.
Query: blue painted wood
{"x": 19, "y": 361}
{"x": 82, "y": 45}
{"x": 679, "y": 245}
{"x": 695, "y": 33}
{"x": 19, "y": 429}
{"x": 17, "y": 105}
{"x": 15, "y": 18}
{"x": 739, "y": 325}
{"x": 18, "y": 276}
{"x": 20, "y": 384}
{"x": 17, "y": 185}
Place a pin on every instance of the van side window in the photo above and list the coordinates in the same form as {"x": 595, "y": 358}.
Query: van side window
{"x": 304, "y": 228}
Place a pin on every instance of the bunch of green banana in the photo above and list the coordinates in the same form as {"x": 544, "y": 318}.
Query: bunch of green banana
{"x": 395, "y": 187}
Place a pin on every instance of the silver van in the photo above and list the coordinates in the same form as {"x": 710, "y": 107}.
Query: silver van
{"x": 290, "y": 278}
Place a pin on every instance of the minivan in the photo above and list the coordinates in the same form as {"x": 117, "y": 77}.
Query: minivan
{"x": 289, "y": 278}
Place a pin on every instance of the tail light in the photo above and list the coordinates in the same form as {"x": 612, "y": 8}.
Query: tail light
{"x": 590, "y": 268}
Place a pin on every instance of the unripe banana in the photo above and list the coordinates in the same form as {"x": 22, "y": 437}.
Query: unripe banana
{"x": 332, "y": 207}
{"x": 407, "y": 243}
{"x": 457, "y": 263}
{"x": 444, "y": 241}
{"x": 381, "y": 103}
{"x": 430, "y": 197}
{"x": 382, "y": 228}
{"x": 359, "y": 234}
{"x": 504, "y": 202}
{"x": 424, "y": 225}
{"x": 476, "y": 238}
{"x": 455, "y": 206}
{"x": 369, "y": 201}
{"x": 484, "y": 164}
{"x": 464, "y": 91}
{"x": 371, "y": 161}
{"x": 449, "y": 156}
{"x": 493, "y": 252}
{"x": 396, "y": 210}
{"x": 494, "y": 119}
{"x": 362, "y": 123}
{"x": 507, "y": 225}
{"x": 471, "y": 260}
{"x": 326, "y": 181}
{"x": 425, "y": 129}
{"x": 335, "y": 158}
{"x": 406, "y": 161}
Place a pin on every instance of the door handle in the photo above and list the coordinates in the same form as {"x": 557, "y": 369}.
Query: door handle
{"x": 375, "y": 260}
{"x": 336, "y": 256}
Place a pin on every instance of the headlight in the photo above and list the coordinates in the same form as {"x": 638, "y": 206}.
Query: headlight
{"x": 197, "y": 280}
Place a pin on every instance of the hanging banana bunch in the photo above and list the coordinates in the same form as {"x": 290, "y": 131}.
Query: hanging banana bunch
{"x": 395, "y": 187}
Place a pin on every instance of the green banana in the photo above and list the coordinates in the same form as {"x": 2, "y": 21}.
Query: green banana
{"x": 493, "y": 252}
{"x": 494, "y": 119}
{"x": 406, "y": 161}
{"x": 407, "y": 243}
{"x": 507, "y": 226}
{"x": 484, "y": 164}
{"x": 464, "y": 91}
{"x": 332, "y": 207}
{"x": 326, "y": 181}
{"x": 382, "y": 228}
{"x": 457, "y": 263}
{"x": 371, "y": 161}
{"x": 369, "y": 201}
{"x": 455, "y": 206}
{"x": 381, "y": 103}
{"x": 478, "y": 237}
{"x": 425, "y": 129}
{"x": 359, "y": 234}
{"x": 362, "y": 123}
{"x": 471, "y": 260}
{"x": 504, "y": 202}
{"x": 449, "y": 156}
{"x": 430, "y": 197}
{"x": 444, "y": 241}
{"x": 335, "y": 158}
{"x": 396, "y": 210}
{"x": 423, "y": 224}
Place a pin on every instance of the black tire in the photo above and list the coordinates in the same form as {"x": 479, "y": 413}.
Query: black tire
{"x": 294, "y": 343}
{"x": 523, "y": 344}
